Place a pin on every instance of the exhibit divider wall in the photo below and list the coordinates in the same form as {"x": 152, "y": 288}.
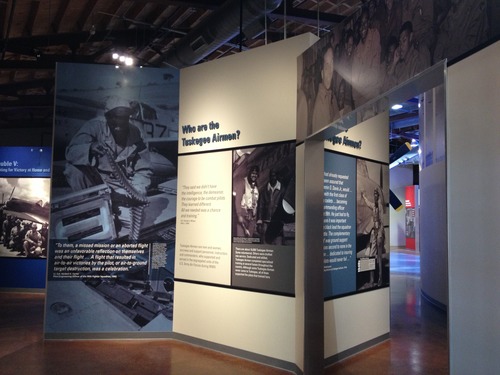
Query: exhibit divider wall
{"x": 267, "y": 192}
{"x": 113, "y": 204}
{"x": 239, "y": 278}
{"x": 473, "y": 174}
{"x": 24, "y": 206}
{"x": 356, "y": 235}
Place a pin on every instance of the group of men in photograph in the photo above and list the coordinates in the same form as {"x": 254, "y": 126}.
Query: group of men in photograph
{"x": 28, "y": 239}
{"x": 383, "y": 45}
{"x": 258, "y": 208}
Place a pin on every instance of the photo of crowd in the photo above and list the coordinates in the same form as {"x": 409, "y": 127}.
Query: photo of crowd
{"x": 379, "y": 47}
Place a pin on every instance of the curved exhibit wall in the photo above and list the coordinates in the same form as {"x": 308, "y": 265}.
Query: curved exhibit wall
{"x": 433, "y": 239}
{"x": 235, "y": 281}
{"x": 473, "y": 190}
{"x": 433, "y": 222}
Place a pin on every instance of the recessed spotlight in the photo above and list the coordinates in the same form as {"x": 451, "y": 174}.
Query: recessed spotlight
{"x": 396, "y": 106}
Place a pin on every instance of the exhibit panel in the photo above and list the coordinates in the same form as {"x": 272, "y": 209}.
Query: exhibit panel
{"x": 411, "y": 221}
{"x": 257, "y": 323}
{"x": 400, "y": 178}
{"x": 236, "y": 214}
{"x": 204, "y": 208}
{"x": 24, "y": 208}
{"x": 356, "y": 237}
{"x": 113, "y": 203}
{"x": 473, "y": 174}
{"x": 381, "y": 46}
{"x": 355, "y": 323}
{"x": 214, "y": 92}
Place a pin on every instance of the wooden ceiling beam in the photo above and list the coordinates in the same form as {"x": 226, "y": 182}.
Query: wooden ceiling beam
{"x": 55, "y": 25}
{"x": 28, "y": 27}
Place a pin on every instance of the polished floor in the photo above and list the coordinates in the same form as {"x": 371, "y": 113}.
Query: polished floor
{"x": 418, "y": 343}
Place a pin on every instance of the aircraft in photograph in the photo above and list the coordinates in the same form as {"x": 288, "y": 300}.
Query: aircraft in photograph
{"x": 27, "y": 210}
{"x": 30, "y": 210}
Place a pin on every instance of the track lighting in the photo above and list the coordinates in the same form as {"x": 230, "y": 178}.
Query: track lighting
{"x": 125, "y": 60}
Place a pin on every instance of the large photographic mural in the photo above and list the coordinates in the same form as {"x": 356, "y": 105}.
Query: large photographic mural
{"x": 381, "y": 46}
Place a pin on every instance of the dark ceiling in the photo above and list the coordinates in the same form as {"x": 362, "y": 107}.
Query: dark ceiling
{"x": 38, "y": 33}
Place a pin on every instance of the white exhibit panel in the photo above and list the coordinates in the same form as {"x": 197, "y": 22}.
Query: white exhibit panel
{"x": 255, "y": 322}
{"x": 243, "y": 99}
{"x": 368, "y": 139}
{"x": 473, "y": 174}
{"x": 198, "y": 204}
{"x": 235, "y": 266}
{"x": 355, "y": 320}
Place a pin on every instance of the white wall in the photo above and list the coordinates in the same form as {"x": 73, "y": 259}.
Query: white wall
{"x": 355, "y": 320}
{"x": 473, "y": 141}
{"x": 253, "y": 92}
{"x": 400, "y": 177}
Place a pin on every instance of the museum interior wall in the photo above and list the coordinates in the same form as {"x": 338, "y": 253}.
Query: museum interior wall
{"x": 400, "y": 177}
{"x": 223, "y": 304}
{"x": 433, "y": 245}
{"x": 473, "y": 177}
{"x": 245, "y": 318}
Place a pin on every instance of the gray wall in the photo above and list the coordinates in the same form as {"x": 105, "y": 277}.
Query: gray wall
{"x": 433, "y": 225}
{"x": 473, "y": 155}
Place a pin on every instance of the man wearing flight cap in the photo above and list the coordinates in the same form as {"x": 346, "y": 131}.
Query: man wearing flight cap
{"x": 110, "y": 137}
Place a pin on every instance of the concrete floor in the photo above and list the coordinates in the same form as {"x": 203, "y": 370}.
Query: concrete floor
{"x": 418, "y": 343}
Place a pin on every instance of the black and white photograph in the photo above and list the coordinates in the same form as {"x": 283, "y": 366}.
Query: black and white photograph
{"x": 24, "y": 216}
{"x": 113, "y": 207}
{"x": 372, "y": 224}
{"x": 264, "y": 195}
{"x": 382, "y": 45}
{"x": 115, "y": 146}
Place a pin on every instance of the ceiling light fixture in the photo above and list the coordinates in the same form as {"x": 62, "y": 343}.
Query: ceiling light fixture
{"x": 126, "y": 60}
{"x": 396, "y": 107}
